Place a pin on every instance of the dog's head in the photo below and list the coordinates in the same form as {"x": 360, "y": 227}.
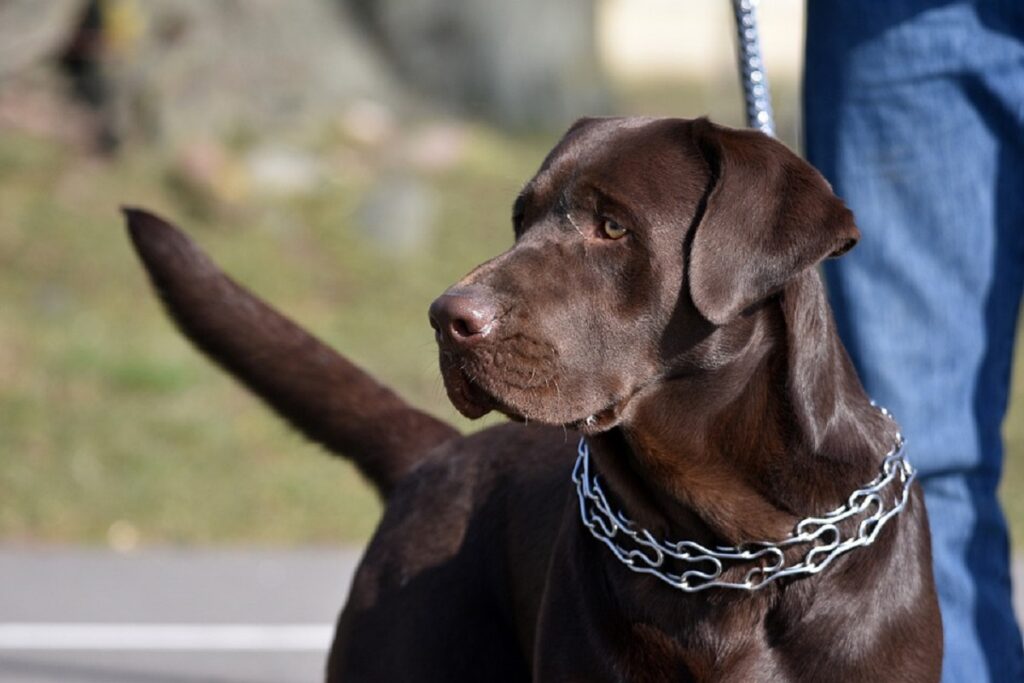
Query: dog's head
{"x": 637, "y": 241}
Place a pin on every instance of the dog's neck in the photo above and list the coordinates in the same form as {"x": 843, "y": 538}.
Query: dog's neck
{"x": 778, "y": 430}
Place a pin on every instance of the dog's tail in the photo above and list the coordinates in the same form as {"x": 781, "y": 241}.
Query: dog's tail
{"x": 327, "y": 397}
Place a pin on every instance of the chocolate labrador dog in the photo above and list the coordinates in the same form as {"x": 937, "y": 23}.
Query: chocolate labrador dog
{"x": 736, "y": 510}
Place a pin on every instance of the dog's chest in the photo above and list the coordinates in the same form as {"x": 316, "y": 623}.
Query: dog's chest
{"x": 599, "y": 622}
{"x": 647, "y": 653}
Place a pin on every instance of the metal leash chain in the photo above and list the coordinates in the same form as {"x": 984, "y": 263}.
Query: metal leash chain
{"x": 691, "y": 567}
{"x": 752, "y": 74}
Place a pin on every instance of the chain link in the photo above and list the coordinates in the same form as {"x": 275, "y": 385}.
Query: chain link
{"x": 692, "y": 567}
{"x": 756, "y": 93}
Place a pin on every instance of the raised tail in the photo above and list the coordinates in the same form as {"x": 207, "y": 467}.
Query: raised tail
{"x": 328, "y": 398}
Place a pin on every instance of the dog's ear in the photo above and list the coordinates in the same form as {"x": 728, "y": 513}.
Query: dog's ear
{"x": 768, "y": 217}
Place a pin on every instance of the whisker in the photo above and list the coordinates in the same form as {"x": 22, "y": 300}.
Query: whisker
{"x": 568, "y": 214}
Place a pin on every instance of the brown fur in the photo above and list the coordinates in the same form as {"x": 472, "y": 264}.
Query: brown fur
{"x": 723, "y": 408}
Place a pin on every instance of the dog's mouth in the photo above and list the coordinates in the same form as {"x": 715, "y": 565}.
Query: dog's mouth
{"x": 473, "y": 400}
{"x": 468, "y": 397}
{"x": 602, "y": 420}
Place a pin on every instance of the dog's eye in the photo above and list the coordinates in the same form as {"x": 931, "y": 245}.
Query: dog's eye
{"x": 612, "y": 230}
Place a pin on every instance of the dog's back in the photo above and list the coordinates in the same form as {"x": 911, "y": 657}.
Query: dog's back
{"x": 451, "y": 583}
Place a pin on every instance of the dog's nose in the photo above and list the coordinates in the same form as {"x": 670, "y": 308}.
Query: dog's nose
{"x": 464, "y": 315}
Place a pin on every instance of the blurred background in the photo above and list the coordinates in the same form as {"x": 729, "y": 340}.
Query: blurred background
{"x": 346, "y": 160}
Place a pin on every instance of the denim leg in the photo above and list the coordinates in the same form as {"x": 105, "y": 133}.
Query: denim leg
{"x": 915, "y": 112}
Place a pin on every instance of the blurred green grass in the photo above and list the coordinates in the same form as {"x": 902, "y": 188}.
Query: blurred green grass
{"x": 110, "y": 421}
{"x": 109, "y": 416}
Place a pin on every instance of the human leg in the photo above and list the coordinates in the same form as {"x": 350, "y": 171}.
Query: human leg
{"x": 913, "y": 114}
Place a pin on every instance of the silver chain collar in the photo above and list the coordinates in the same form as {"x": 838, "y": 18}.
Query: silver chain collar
{"x": 691, "y": 567}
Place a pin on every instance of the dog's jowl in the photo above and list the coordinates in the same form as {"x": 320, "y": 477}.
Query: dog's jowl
{"x": 729, "y": 505}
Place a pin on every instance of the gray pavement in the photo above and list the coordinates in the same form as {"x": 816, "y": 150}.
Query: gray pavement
{"x": 270, "y": 594}
{"x": 176, "y": 615}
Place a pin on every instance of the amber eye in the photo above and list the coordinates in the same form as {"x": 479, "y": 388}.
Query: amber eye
{"x": 612, "y": 230}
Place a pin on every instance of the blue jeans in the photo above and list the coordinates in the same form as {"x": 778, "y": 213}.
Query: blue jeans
{"x": 914, "y": 110}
